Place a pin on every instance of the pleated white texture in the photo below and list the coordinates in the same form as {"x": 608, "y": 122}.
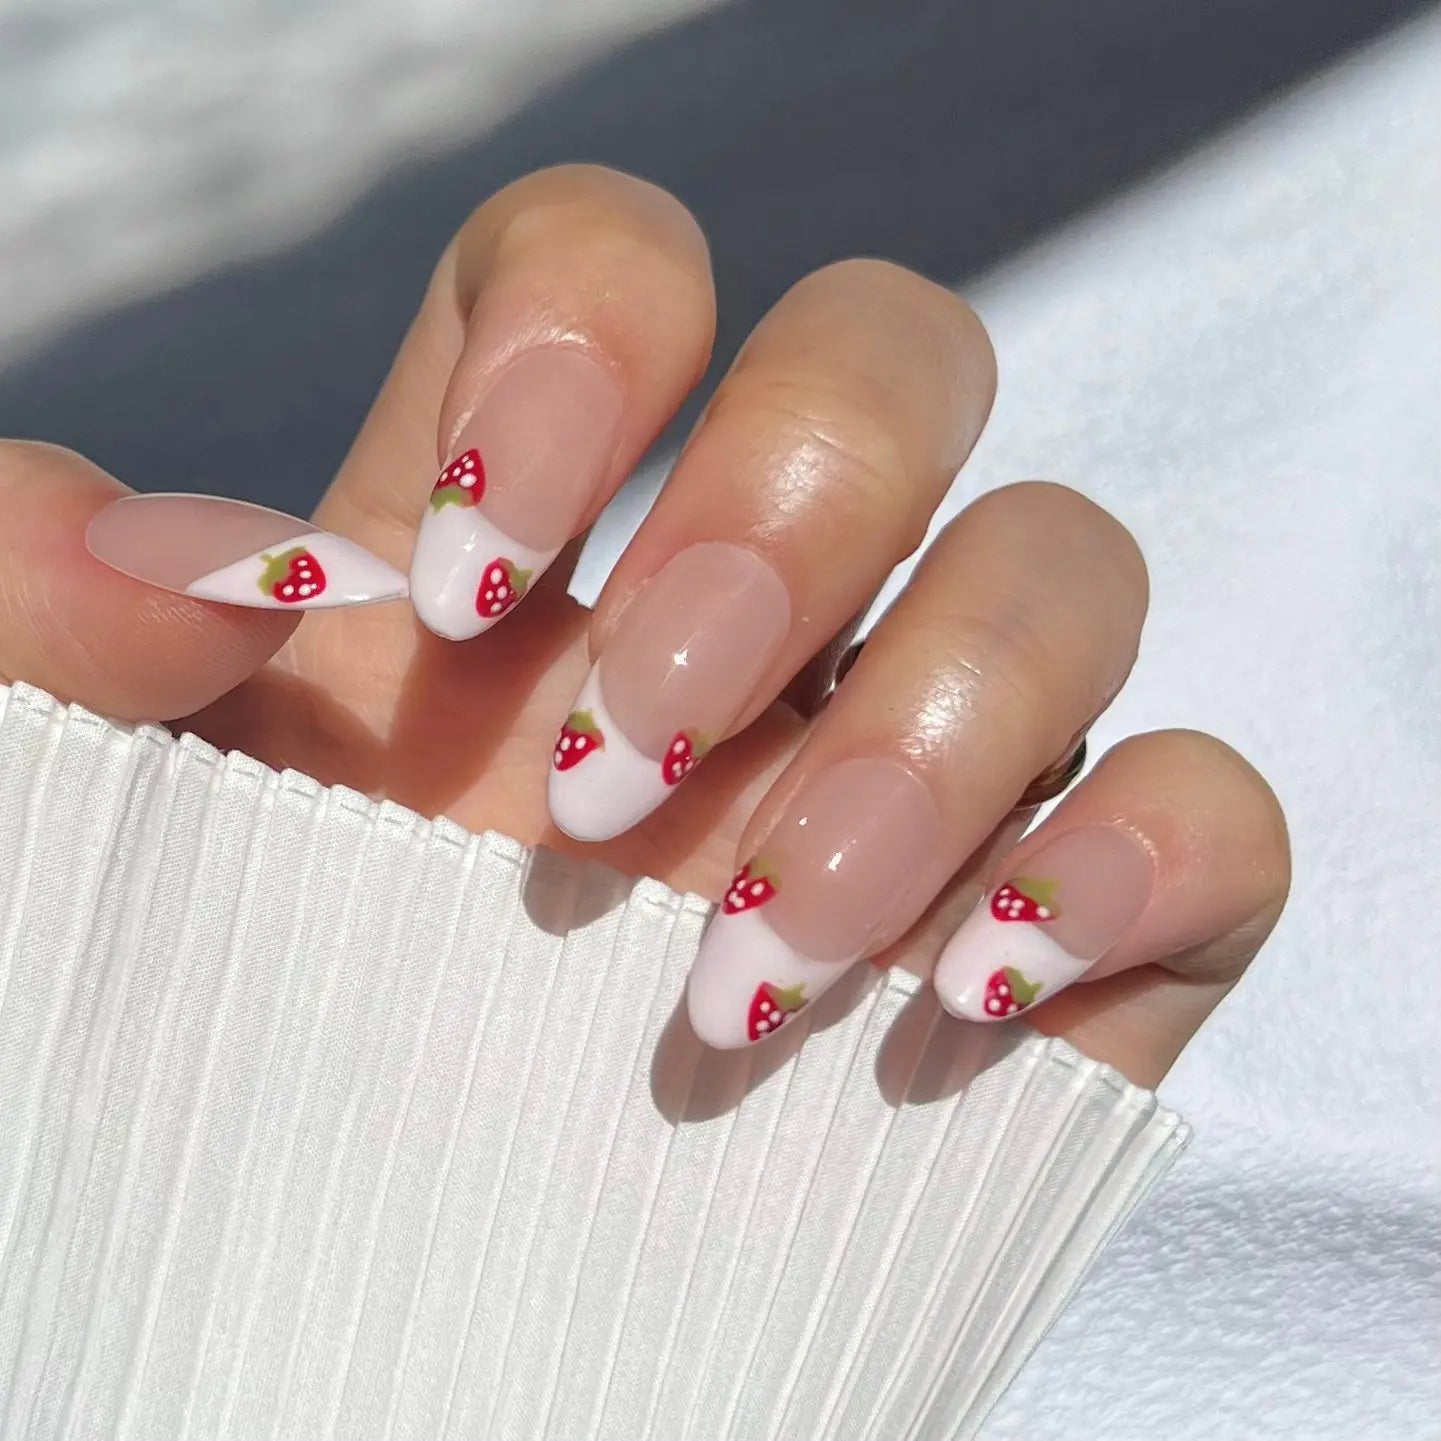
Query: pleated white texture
{"x": 320, "y": 1120}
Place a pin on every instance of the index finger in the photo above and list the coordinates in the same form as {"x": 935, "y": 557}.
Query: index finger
{"x": 564, "y": 326}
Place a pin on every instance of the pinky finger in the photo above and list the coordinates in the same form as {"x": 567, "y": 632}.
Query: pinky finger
{"x": 1126, "y": 917}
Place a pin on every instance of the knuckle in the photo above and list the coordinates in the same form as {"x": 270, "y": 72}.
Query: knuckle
{"x": 839, "y": 423}
{"x": 996, "y": 662}
{"x": 1011, "y": 657}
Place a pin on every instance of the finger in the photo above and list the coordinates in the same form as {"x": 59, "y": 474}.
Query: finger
{"x": 567, "y": 322}
{"x": 1148, "y": 891}
{"x": 241, "y": 554}
{"x": 79, "y": 629}
{"x": 1014, "y": 634}
{"x": 814, "y": 471}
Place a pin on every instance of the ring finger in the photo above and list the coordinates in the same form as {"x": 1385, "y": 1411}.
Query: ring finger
{"x": 1015, "y": 633}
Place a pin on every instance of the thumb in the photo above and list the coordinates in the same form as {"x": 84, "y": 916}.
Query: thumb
{"x": 87, "y": 633}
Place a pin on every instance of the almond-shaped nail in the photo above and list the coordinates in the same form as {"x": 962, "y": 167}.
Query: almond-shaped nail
{"x": 242, "y": 554}
{"x": 524, "y": 470}
{"x": 681, "y": 666}
{"x": 836, "y": 872}
{"x": 1045, "y": 926}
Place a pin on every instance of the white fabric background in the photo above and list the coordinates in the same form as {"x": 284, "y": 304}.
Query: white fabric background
{"x": 319, "y": 1120}
{"x": 1239, "y": 356}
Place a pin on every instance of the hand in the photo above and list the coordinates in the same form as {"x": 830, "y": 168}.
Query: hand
{"x": 562, "y": 329}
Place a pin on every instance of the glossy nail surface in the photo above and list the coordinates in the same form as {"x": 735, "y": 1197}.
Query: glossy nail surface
{"x": 1042, "y": 928}
{"x": 836, "y": 871}
{"x": 242, "y": 554}
{"x": 680, "y": 667}
{"x": 525, "y": 468}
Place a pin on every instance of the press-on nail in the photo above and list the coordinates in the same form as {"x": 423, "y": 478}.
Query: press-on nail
{"x": 1045, "y": 926}
{"x": 682, "y": 664}
{"x": 242, "y": 554}
{"x": 836, "y": 871}
{"x": 524, "y": 471}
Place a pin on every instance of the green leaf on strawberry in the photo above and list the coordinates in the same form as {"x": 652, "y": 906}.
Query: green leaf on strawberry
{"x": 444, "y": 495}
{"x": 1023, "y": 991}
{"x": 788, "y": 998}
{"x": 1043, "y": 893}
{"x": 582, "y": 722}
{"x": 277, "y": 568}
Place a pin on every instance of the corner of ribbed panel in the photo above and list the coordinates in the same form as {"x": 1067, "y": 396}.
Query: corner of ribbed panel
{"x": 246, "y": 767}
{"x": 297, "y": 783}
{"x": 26, "y": 697}
{"x": 646, "y": 890}
{"x": 493, "y": 843}
{"x": 22, "y": 693}
{"x": 392, "y": 816}
{"x": 1060, "y": 1052}
{"x": 199, "y": 752}
{"x": 902, "y": 982}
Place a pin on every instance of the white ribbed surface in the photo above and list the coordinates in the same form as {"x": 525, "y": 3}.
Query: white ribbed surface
{"x": 318, "y": 1120}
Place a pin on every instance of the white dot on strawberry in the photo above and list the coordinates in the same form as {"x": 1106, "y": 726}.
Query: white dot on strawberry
{"x": 1043, "y": 912}
{"x": 993, "y": 1006}
{"x": 756, "y": 886}
{"x": 287, "y": 590}
{"x": 565, "y": 743}
{"x": 678, "y": 747}
{"x": 1003, "y": 990}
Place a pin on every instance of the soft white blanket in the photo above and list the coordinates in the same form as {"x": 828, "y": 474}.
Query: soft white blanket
{"x": 1239, "y": 357}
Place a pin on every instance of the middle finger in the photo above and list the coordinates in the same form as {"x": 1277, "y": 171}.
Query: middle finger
{"x": 815, "y": 469}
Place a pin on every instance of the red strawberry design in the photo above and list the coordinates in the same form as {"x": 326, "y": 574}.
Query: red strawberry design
{"x": 1025, "y": 899}
{"x": 292, "y": 576}
{"x": 462, "y": 482}
{"x": 578, "y": 737}
{"x": 683, "y": 754}
{"x": 754, "y": 885}
{"x": 501, "y": 588}
{"x": 771, "y": 1007}
{"x": 1008, "y": 991}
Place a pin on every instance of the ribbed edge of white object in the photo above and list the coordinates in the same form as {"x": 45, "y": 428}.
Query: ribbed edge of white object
{"x": 321, "y": 1120}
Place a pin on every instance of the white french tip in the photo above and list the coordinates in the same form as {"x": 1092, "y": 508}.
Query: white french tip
{"x": 747, "y": 983}
{"x": 314, "y": 571}
{"x": 458, "y": 583}
{"x": 609, "y": 789}
{"x": 970, "y": 977}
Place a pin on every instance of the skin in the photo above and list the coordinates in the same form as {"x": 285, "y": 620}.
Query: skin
{"x": 825, "y": 451}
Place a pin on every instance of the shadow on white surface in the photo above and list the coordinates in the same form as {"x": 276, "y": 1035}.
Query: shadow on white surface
{"x": 943, "y": 136}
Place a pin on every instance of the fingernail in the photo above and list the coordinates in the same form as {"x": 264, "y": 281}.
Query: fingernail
{"x": 242, "y": 554}
{"x": 837, "y": 870}
{"x": 523, "y": 471}
{"x": 681, "y": 666}
{"x": 1070, "y": 902}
